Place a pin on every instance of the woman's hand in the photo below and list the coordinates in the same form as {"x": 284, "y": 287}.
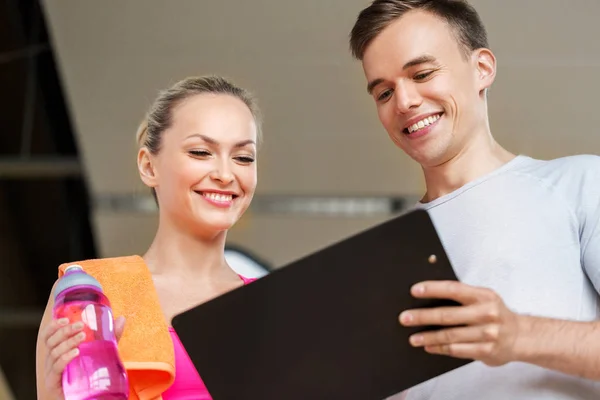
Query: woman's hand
{"x": 62, "y": 340}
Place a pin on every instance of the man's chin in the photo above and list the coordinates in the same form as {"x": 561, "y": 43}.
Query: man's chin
{"x": 429, "y": 159}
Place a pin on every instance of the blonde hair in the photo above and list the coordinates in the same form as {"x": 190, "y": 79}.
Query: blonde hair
{"x": 159, "y": 117}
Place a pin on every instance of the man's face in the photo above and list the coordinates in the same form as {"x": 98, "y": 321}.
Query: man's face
{"x": 429, "y": 95}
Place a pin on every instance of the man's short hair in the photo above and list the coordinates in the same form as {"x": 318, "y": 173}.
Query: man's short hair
{"x": 462, "y": 18}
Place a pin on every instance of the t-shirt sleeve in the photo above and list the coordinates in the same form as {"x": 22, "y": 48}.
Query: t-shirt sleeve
{"x": 590, "y": 212}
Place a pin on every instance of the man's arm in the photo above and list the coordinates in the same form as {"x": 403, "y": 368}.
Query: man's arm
{"x": 484, "y": 329}
{"x": 566, "y": 346}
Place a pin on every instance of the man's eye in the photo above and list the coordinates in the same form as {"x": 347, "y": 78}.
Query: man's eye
{"x": 422, "y": 75}
{"x": 384, "y": 95}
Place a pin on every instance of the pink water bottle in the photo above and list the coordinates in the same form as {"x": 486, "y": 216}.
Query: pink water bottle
{"x": 97, "y": 373}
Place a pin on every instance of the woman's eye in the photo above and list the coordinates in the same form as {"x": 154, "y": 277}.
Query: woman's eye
{"x": 245, "y": 159}
{"x": 200, "y": 153}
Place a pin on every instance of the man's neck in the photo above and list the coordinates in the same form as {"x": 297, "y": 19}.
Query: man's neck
{"x": 473, "y": 162}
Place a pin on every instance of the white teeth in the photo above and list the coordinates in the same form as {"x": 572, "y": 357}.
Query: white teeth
{"x": 218, "y": 197}
{"x": 423, "y": 123}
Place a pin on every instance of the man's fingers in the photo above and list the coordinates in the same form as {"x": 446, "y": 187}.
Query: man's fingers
{"x": 470, "y": 334}
{"x": 445, "y": 316}
{"x": 485, "y": 352}
{"x": 453, "y": 290}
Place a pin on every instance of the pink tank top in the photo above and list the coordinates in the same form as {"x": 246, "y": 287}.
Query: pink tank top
{"x": 187, "y": 385}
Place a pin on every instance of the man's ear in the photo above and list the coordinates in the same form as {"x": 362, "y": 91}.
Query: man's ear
{"x": 485, "y": 63}
{"x": 146, "y": 168}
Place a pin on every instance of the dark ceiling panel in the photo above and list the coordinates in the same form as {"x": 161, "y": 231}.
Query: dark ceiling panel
{"x": 44, "y": 220}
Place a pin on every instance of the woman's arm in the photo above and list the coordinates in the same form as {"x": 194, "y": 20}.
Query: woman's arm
{"x": 40, "y": 350}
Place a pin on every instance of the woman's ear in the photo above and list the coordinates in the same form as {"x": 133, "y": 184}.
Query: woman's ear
{"x": 146, "y": 168}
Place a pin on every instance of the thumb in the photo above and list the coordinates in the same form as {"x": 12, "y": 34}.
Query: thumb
{"x": 119, "y": 327}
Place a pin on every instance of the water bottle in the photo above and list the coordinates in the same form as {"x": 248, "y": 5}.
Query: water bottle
{"x": 97, "y": 373}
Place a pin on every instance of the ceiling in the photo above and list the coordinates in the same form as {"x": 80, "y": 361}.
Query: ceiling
{"x": 322, "y": 136}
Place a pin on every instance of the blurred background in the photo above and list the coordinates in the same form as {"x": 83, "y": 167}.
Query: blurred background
{"x": 76, "y": 77}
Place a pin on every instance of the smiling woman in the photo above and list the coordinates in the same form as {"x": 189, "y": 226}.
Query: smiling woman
{"x": 159, "y": 117}
{"x": 197, "y": 153}
{"x": 199, "y": 143}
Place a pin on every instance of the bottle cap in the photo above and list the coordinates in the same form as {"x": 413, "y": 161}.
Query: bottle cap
{"x": 75, "y": 276}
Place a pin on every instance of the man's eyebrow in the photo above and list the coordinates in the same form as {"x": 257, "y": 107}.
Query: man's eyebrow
{"x": 372, "y": 85}
{"x": 424, "y": 59}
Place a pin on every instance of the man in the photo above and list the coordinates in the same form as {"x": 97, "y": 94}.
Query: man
{"x": 523, "y": 234}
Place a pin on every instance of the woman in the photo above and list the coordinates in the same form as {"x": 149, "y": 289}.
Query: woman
{"x": 197, "y": 153}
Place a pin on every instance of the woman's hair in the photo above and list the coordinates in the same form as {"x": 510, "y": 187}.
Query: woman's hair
{"x": 160, "y": 116}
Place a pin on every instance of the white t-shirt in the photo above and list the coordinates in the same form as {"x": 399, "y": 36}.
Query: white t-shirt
{"x": 530, "y": 231}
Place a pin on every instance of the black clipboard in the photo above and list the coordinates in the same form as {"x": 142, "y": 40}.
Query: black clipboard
{"x": 325, "y": 326}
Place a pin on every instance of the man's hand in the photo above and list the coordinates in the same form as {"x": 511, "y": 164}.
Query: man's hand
{"x": 483, "y": 328}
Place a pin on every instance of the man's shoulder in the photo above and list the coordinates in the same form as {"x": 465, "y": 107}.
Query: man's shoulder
{"x": 573, "y": 169}
{"x": 577, "y": 163}
{"x": 572, "y": 179}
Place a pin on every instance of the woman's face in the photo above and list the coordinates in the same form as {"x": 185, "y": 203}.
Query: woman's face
{"x": 205, "y": 172}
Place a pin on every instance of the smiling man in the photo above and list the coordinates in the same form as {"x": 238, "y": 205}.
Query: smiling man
{"x": 523, "y": 234}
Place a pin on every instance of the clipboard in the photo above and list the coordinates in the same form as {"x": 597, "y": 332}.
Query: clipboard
{"x": 325, "y": 326}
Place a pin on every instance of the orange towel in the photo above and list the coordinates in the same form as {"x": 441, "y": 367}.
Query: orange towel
{"x": 146, "y": 347}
